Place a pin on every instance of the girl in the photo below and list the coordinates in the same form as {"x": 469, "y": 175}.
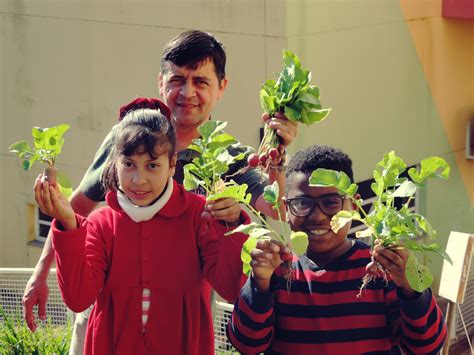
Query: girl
{"x": 145, "y": 259}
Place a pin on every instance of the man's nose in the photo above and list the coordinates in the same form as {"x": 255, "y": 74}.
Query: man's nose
{"x": 187, "y": 89}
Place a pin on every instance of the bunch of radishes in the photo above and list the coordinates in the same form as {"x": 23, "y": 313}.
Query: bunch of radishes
{"x": 289, "y": 96}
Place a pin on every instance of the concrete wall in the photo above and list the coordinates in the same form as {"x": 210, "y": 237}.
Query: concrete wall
{"x": 379, "y": 65}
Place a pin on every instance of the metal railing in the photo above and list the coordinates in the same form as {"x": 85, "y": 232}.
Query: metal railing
{"x": 13, "y": 282}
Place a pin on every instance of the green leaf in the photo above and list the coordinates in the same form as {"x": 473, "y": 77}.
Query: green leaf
{"x": 243, "y": 228}
{"x": 211, "y": 128}
{"x": 419, "y": 276}
{"x": 237, "y": 192}
{"x": 299, "y": 242}
{"x": 317, "y": 116}
{"x": 259, "y": 232}
{"x": 331, "y": 178}
{"x": 267, "y": 102}
{"x": 406, "y": 189}
{"x": 292, "y": 114}
{"x": 64, "y": 183}
{"x": 20, "y": 148}
{"x": 342, "y": 218}
{"x": 190, "y": 182}
{"x": 430, "y": 168}
{"x": 389, "y": 168}
{"x": 292, "y": 94}
{"x": 425, "y": 225}
{"x": 436, "y": 248}
{"x": 245, "y": 256}
{"x": 221, "y": 140}
{"x": 270, "y": 193}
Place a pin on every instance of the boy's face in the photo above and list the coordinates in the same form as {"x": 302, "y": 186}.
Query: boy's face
{"x": 322, "y": 240}
{"x": 191, "y": 94}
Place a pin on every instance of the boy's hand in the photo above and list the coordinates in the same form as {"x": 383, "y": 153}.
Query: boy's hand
{"x": 54, "y": 204}
{"x": 265, "y": 259}
{"x": 225, "y": 209}
{"x": 284, "y": 128}
{"x": 394, "y": 259}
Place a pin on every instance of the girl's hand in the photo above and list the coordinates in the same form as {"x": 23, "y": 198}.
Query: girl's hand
{"x": 394, "y": 259}
{"x": 225, "y": 209}
{"x": 284, "y": 128}
{"x": 265, "y": 259}
{"x": 54, "y": 204}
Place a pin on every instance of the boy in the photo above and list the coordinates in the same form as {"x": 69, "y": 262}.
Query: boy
{"x": 321, "y": 313}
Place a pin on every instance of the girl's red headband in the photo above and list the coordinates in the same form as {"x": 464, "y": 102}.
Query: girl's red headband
{"x": 144, "y": 102}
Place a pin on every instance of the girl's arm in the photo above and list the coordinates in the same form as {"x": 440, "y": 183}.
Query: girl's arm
{"x": 81, "y": 259}
{"x": 220, "y": 255}
{"x": 54, "y": 204}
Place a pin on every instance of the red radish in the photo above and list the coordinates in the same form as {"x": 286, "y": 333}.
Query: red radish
{"x": 263, "y": 159}
{"x": 372, "y": 268}
{"x": 286, "y": 256}
{"x": 253, "y": 160}
{"x": 274, "y": 154}
{"x": 50, "y": 174}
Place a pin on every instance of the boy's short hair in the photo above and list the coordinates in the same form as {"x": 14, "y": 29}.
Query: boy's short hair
{"x": 319, "y": 156}
{"x": 192, "y": 48}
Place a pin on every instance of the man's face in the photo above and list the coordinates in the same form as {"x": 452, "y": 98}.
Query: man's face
{"x": 322, "y": 240}
{"x": 191, "y": 94}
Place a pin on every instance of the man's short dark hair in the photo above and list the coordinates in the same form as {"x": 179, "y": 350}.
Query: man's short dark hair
{"x": 192, "y": 48}
{"x": 319, "y": 156}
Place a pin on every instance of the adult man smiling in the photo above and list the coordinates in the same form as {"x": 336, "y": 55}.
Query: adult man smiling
{"x": 191, "y": 82}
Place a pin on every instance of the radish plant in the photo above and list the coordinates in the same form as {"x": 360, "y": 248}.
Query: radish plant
{"x": 206, "y": 171}
{"x": 47, "y": 146}
{"x": 297, "y": 241}
{"x": 213, "y": 162}
{"x": 292, "y": 95}
{"x": 393, "y": 227}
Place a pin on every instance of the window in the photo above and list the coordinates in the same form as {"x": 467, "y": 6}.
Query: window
{"x": 42, "y": 226}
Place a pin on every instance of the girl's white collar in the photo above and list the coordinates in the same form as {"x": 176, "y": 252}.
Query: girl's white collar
{"x": 144, "y": 213}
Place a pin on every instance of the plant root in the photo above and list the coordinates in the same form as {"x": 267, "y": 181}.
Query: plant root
{"x": 372, "y": 276}
{"x": 288, "y": 274}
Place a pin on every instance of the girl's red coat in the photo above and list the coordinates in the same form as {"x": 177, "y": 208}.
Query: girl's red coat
{"x": 109, "y": 259}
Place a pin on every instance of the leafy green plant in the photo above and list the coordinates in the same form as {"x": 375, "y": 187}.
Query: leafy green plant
{"x": 47, "y": 146}
{"x": 213, "y": 162}
{"x": 394, "y": 227}
{"x": 297, "y": 241}
{"x": 16, "y": 338}
{"x": 292, "y": 95}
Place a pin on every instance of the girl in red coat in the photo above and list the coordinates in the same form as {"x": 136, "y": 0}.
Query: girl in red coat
{"x": 146, "y": 260}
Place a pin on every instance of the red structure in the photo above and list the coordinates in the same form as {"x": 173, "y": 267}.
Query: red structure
{"x": 460, "y": 9}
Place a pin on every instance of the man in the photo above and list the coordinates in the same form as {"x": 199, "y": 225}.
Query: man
{"x": 191, "y": 81}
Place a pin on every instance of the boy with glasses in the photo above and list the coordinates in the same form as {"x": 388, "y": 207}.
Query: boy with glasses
{"x": 321, "y": 313}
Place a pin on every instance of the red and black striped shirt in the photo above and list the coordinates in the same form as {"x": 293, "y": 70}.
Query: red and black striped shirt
{"x": 321, "y": 313}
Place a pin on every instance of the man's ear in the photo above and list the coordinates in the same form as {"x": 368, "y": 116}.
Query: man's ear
{"x": 160, "y": 84}
{"x": 222, "y": 86}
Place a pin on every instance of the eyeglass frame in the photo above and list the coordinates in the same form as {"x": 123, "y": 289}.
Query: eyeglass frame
{"x": 315, "y": 203}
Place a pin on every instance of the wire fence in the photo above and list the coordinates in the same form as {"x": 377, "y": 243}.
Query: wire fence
{"x": 13, "y": 282}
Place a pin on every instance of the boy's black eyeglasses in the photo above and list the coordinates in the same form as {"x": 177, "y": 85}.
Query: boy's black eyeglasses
{"x": 304, "y": 206}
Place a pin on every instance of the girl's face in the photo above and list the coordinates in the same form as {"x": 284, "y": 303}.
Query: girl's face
{"x": 143, "y": 178}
